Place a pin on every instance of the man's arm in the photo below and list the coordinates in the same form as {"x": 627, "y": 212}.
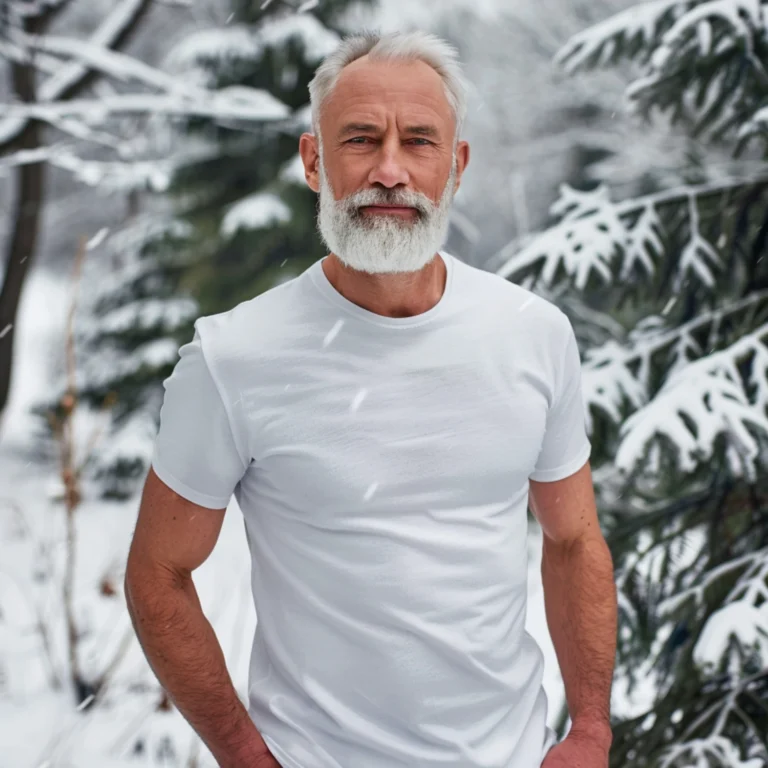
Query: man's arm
{"x": 580, "y": 598}
{"x": 173, "y": 537}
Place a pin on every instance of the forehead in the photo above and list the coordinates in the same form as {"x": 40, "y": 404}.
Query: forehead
{"x": 378, "y": 89}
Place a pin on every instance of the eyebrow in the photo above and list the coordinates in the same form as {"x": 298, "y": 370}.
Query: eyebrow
{"x": 423, "y": 130}
{"x": 418, "y": 130}
{"x": 358, "y": 128}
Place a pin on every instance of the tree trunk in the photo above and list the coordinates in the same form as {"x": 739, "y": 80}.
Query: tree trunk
{"x": 25, "y": 217}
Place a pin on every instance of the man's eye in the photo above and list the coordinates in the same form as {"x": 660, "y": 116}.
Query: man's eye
{"x": 358, "y": 140}
{"x": 426, "y": 142}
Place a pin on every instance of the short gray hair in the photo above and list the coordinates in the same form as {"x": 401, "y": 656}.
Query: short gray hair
{"x": 394, "y": 46}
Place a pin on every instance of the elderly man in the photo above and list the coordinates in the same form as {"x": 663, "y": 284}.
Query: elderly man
{"x": 384, "y": 420}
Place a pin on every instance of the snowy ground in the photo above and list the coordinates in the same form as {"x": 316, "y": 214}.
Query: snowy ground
{"x": 39, "y": 725}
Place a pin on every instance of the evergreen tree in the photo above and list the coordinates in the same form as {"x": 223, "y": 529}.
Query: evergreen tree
{"x": 676, "y": 394}
{"x": 241, "y": 220}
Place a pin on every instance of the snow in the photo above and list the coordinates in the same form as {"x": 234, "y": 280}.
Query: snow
{"x": 214, "y": 46}
{"x": 302, "y": 118}
{"x": 233, "y": 102}
{"x": 746, "y": 623}
{"x": 697, "y": 252}
{"x": 596, "y": 237}
{"x": 396, "y": 15}
{"x": 120, "y": 18}
{"x": 166, "y": 314}
{"x": 758, "y": 122}
{"x": 32, "y": 354}
{"x": 67, "y": 75}
{"x": 118, "y": 65}
{"x": 634, "y": 25}
{"x": 224, "y": 46}
{"x": 128, "y": 240}
{"x": 584, "y": 243}
{"x": 710, "y": 392}
{"x": 181, "y": 95}
{"x": 318, "y": 41}
{"x": 152, "y": 175}
{"x": 256, "y": 211}
{"x": 703, "y": 753}
{"x": 293, "y": 171}
{"x": 333, "y": 333}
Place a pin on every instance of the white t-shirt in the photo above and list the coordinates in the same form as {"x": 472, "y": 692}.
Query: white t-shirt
{"x": 382, "y": 466}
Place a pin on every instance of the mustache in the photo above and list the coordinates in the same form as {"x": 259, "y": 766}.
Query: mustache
{"x": 402, "y": 197}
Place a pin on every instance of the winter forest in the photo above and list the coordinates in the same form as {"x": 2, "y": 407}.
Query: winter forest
{"x": 149, "y": 175}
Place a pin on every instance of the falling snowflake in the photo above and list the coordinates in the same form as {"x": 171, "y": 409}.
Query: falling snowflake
{"x": 358, "y": 400}
{"x": 333, "y": 333}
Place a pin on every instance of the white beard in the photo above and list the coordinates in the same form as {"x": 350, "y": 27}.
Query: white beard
{"x": 384, "y": 244}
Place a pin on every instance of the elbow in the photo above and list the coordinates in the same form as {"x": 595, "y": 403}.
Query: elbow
{"x": 150, "y": 585}
{"x": 144, "y": 582}
{"x": 134, "y": 585}
{"x": 590, "y": 545}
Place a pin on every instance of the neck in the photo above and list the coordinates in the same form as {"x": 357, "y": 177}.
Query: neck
{"x": 389, "y": 295}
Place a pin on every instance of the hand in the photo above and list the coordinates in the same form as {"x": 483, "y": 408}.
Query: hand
{"x": 577, "y": 751}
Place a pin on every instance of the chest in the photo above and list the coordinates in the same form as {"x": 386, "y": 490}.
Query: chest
{"x": 409, "y": 430}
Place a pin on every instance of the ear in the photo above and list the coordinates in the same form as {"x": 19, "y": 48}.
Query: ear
{"x": 462, "y": 161}
{"x": 310, "y": 156}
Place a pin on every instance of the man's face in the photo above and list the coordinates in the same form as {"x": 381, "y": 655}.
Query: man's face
{"x": 388, "y": 167}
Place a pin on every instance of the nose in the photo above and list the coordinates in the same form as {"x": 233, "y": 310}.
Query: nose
{"x": 389, "y": 169}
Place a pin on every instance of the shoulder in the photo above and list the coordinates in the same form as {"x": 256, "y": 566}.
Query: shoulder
{"x": 514, "y": 306}
{"x": 240, "y": 332}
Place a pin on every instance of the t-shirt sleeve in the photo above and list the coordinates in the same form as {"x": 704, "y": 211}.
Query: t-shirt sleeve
{"x": 566, "y": 447}
{"x": 196, "y": 453}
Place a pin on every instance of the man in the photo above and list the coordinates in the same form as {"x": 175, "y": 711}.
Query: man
{"x": 383, "y": 420}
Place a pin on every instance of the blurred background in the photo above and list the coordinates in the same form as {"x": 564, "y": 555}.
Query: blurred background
{"x": 149, "y": 175}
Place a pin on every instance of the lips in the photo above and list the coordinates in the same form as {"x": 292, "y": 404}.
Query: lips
{"x": 389, "y": 210}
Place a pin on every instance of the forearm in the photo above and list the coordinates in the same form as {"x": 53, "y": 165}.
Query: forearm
{"x": 186, "y": 657}
{"x": 580, "y": 601}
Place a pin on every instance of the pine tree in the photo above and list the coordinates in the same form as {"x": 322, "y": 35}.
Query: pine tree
{"x": 241, "y": 220}
{"x": 676, "y": 389}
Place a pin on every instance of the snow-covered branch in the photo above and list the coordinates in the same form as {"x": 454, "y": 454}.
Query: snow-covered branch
{"x": 700, "y": 402}
{"x": 696, "y": 592}
{"x": 676, "y": 23}
{"x": 122, "y": 16}
{"x": 234, "y": 102}
{"x": 701, "y": 59}
{"x": 638, "y": 26}
{"x": 29, "y": 156}
{"x": 65, "y": 77}
{"x": 96, "y": 57}
{"x": 218, "y": 47}
{"x": 757, "y": 124}
{"x": 711, "y": 751}
{"x": 180, "y": 97}
{"x": 606, "y": 239}
{"x": 614, "y": 374}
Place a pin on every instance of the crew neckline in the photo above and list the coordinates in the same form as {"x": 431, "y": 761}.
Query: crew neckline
{"x": 324, "y": 285}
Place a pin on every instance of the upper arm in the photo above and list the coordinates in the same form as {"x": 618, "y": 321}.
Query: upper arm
{"x": 172, "y": 533}
{"x": 197, "y": 461}
{"x": 566, "y": 508}
{"x": 565, "y": 446}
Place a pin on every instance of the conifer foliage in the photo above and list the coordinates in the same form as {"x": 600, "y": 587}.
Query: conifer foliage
{"x": 677, "y": 399}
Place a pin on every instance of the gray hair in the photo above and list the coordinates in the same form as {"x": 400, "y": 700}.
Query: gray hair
{"x": 395, "y": 46}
